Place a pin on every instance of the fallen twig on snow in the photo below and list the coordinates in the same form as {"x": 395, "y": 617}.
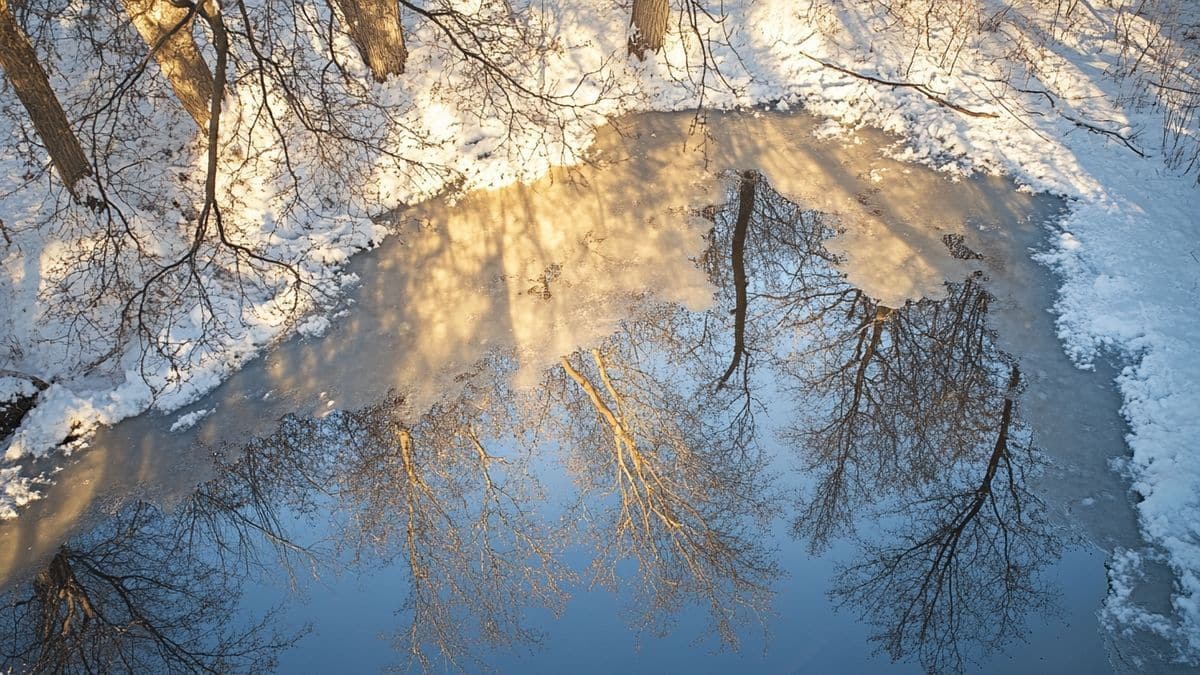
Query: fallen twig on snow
{"x": 923, "y": 89}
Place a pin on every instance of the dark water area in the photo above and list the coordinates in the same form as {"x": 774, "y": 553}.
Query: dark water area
{"x": 767, "y": 469}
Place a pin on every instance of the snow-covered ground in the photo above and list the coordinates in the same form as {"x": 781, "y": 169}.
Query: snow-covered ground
{"x": 1039, "y": 90}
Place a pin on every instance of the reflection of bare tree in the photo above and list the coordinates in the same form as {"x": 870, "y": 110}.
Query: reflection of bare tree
{"x": 240, "y": 516}
{"x": 689, "y": 498}
{"x": 901, "y": 392}
{"x": 428, "y": 492}
{"x": 462, "y": 518}
{"x": 904, "y": 415}
{"x": 768, "y": 259}
{"x": 884, "y": 390}
{"x": 962, "y": 563}
{"x": 134, "y": 597}
{"x": 790, "y": 305}
{"x": 451, "y": 495}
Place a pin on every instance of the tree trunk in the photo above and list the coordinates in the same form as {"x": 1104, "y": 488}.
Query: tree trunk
{"x": 375, "y": 29}
{"x": 28, "y": 79}
{"x": 168, "y": 31}
{"x": 649, "y": 26}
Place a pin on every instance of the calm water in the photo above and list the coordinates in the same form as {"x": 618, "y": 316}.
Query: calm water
{"x": 658, "y": 413}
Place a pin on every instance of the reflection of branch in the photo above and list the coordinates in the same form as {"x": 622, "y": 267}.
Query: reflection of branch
{"x": 921, "y": 88}
{"x": 641, "y": 485}
{"x": 141, "y": 594}
{"x": 860, "y": 430}
{"x": 962, "y": 569}
{"x": 906, "y": 389}
{"x": 58, "y": 589}
{"x": 424, "y": 493}
{"x": 688, "y": 494}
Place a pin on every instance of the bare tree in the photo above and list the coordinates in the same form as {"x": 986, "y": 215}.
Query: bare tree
{"x": 375, "y": 28}
{"x": 1158, "y": 46}
{"x": 648, "y": 26}
{"x": 1154, "y": 63}
{"x": 706, "y": 55}
{"x": 28, "y": 79}
{"x": 123, "y": 284}
{"x": 167, "y": 29}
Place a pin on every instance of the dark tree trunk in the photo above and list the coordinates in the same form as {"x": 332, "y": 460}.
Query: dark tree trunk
{"x": 28, "y": 79}
{"x": 649, "y": 25}
{"x": 375, "y": 29}
{"x": 167, "y": 29}
{"x": 737, "y": 256}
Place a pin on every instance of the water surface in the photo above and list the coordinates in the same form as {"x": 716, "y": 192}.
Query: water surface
{"x": 745, "y": 399}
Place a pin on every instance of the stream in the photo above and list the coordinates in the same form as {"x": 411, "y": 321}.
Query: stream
{"x": 745, "y": 398}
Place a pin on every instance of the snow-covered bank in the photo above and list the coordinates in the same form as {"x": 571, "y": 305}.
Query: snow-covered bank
{"x": 1024, "y": 89}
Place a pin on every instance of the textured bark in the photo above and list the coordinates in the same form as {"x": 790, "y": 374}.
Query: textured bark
{"x": 649, "y": 25}
{"x": 168, "y": 31}
{"x": 375, "y": 29}
{"x": 28, "y": 79}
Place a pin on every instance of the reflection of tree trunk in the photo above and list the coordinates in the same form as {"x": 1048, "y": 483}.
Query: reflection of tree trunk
{"x": 738, "y": 261}
{"x": 415, "y": 485}
{"x": 882, "y": 314}
{"x": 32, "y": 86}
{"x": 168, "y": 31}
{"x": 649, "y": 25}
{"x": 62, "y": 598}
{"x": 375, "y": 29}
{"x": 950, "y": 540}
{"x": 624, "y": 440}
{"x": 1000, "y": 450}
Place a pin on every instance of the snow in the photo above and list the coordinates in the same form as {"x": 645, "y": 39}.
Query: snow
{"x": 15, "y": 491}
{"x": 1128, "y": 252}
{"x": 15, "y": 387}
{"x": 189, "y": 420}
{"x": 1120, "y": 612}
{"x": 314, "y": 326}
